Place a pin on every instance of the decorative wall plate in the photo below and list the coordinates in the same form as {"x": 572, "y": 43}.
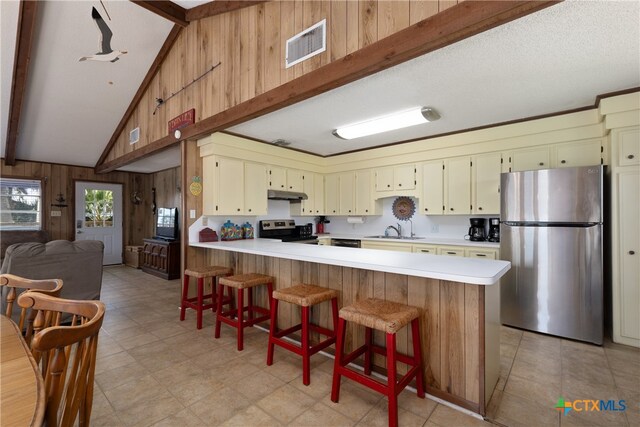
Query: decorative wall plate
{"x": 403, "y": 208}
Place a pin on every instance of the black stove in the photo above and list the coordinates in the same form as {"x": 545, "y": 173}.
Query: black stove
{"x": 286, "y": 230}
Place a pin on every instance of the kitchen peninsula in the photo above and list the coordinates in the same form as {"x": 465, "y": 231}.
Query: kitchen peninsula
{"x": 460, "y": 302}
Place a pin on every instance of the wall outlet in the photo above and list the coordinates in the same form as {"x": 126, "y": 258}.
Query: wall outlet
{"x": 435, "y": 228}
{"x": 56, "y": 213}
{"x": 205, "y": 221}
{"x": 192, "y": 214}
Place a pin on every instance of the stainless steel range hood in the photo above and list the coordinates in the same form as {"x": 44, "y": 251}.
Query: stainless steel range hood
{"x": 286, "y": 195}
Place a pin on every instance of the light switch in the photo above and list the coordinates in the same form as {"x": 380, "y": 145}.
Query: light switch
{"x": 56, "y": 213}
{"x": 192, "y": 214}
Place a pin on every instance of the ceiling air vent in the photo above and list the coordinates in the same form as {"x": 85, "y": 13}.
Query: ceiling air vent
{"x": 134, "y": 136}
{"x": 306, "y": 44}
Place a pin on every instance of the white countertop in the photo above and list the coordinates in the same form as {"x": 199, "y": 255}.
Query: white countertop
{"x": 456, "y": 269}
{"x": 427, "y": 240}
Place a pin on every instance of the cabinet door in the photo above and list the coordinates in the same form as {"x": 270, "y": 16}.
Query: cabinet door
{"x": 485, "y": 184}
{"x": 308, "y": 187}
{"x": 481, "y": 253}
{"x": 277, "y": 178}
{"x": 397, "y": 247}
{"x": 404, "y": 177}
{"x": 209, "y": 186}
{"x": 363, "y": 197}
{"x": 384, "y": 179}
{"x": 530, "y": 159}
{"x": 432, "y": 188}
{"x": 345, "y": 193}
{"x": 331, "y": 206}
{"x": 629, "y": 146}
{"x": 231, "y": 186}
{"x": 580, "y": 153}
{"x": 628, "y": 294}
{"x": 318, "y": 194}
{"x": 450, "y": 251}
{"x": 457, "y": 173}
{"x": 255, "y": 189}
{"x": 294, "y": 180}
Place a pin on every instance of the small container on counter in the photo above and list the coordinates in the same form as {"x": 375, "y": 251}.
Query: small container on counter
{"x": 230, "y": 231}
{"x": 247, "y": 230}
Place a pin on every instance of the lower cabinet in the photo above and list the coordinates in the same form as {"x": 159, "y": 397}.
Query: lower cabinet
{"x": 462, "y": 251}
{"x": 387, "y": 246}
{"x": 450, "y": 251}
{"x": 161, "y": 258}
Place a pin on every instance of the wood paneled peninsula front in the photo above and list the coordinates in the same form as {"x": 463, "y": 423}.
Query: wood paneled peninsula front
{"x": 458, "y": 296}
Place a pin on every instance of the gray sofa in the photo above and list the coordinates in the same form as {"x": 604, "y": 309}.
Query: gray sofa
{"x": 78, "y": 264}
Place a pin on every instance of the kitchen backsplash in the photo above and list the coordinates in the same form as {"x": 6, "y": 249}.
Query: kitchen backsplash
{"x": 455, "y": 226}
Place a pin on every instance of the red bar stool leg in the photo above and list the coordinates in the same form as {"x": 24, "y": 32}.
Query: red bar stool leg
{"x": 272, "y": 329}
{"x": 199, "y": 308}
{"x": 306, "y": 375}
{"x": 250, "y": 304}
{"x": 219, "y": 310}
{"x": 185, "y": 295}
{"x": 334, "y": 311}
{"x": 368, "y": 342}
{"x": 214, "y": 290}
{"x": 417, "y": 356}
{"x": 335, "y": 386}
{"x": 240, "y": 316}
{"x": 391, "y": 380}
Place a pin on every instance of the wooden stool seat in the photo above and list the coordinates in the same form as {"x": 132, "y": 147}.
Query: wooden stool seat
{"x": 198, "y": 302}
{"x": 244, "y": 281}
{"x": 208, "y": 271}
{"x": 235, "y": 316}
{"x": 305, "y": 296}
{"x": 385, "y": 316}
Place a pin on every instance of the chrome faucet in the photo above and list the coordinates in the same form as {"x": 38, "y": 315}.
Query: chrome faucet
{"x": 411, "y": 233}
{"x": 396, "y": 229}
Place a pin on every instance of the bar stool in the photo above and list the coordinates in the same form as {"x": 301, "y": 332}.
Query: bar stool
{"x": 304, "y": 296}
{"x": 240, "y": 283}
{"x": 388, "y": 317}
{"x": 197, "y": 302}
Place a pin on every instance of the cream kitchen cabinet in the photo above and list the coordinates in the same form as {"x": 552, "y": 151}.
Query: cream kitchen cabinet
{"x": 481, "y": 253}
{"x": 394, "y": 178}
{"x": 318, "y": 194}
{"x": 530, "y": 159}
{"x": 579, "y": 153}
{"x": 450, "y": 251}
{"x": 625, "y": 235}
{"x": 432, "y": 201}
{"x": 364, "y": 202}
{"x": 285, "y": 179}
{"x": 485, "y": 183}
{"x": 425, "y": 249}
{"x": 346, "y": 201}
{"x": 457, "y": 186}
{"x": 313, "y": 187}
{"x": 331, "y": 201}
{"x": 387, "y": 246}
{"x": 233, "y": 187}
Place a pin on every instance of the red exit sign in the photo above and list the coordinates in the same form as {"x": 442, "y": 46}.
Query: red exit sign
{"x": 185, "y": 119}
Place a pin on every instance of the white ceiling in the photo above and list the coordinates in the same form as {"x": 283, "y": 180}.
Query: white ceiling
{"x": 558, "y": 59}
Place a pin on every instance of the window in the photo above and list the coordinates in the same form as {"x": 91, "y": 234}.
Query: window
{"x": 20, "y": 204}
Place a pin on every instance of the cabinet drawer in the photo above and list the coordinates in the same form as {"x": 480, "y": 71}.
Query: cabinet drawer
{"x": 450, "y": 251}
{"x": 425, "y": 249}
{"x": 482, "y": 253}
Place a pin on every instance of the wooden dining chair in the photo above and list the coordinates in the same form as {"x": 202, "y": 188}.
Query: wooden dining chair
{"x": 66, "y": 354}
{"x": 14, "y": 285}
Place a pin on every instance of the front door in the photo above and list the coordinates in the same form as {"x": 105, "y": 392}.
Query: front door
{"x": 98, "y": 216}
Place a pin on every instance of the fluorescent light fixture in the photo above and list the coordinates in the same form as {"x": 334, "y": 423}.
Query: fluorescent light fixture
{"x": 395, "y": 121}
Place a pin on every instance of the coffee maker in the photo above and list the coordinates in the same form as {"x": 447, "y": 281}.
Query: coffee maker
{"x": 476, "y": 231}
{"x": 494, "y": 230}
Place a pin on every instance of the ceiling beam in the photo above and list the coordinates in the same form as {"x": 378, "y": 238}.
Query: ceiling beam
{"x": 155, "y": 66}
{"x": 24, "y": 42}
{"x": 464, "y": 20}
{"x": 167, "y": 9}
{"x": 216, "y": 8}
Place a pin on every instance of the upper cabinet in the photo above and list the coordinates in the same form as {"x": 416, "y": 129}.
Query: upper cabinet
{"x": 485, "y": 183}
{"x": 313, "y": 187}
{"x": 628, "y": 140}
{"x": 364, "y": 201}
{"x": 581, "y": 153}
{"x": 530, "y": 159}
{"x": 285, "y": 179}
{"x": 457, "y": 186}
{"x": 331, "y": 206}
{"x": 395, "y": 178}
{"x": 346, "y": 202}
{"x": 432, "y": 200}
{"x": 233, "y": 187}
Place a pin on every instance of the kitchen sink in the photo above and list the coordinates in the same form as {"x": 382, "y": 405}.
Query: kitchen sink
{"x": 394, "y": 237}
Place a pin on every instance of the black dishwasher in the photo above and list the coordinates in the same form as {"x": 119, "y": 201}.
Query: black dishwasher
{"x": 346, "y": 243}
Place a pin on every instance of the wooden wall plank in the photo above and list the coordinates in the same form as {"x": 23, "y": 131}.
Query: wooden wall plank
{"x": 272, "y": 50}
{"x": 287, "y": 30}
{"x": 422, "y": 9}
{"x": 368, "y": 23}
{"x": 472, "y": 343}
{"x": 452, "y": 338}
{"x": 425, "y": 293}
{"x": 396, "y": 290}
{"x": 337, "y": 30}
{"x": 393, "y": 16}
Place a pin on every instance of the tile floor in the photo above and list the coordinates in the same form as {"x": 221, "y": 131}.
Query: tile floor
{"x": 153, "y": 370}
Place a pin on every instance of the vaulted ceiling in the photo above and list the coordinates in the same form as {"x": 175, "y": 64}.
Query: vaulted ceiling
{"x": 557, "y": 59}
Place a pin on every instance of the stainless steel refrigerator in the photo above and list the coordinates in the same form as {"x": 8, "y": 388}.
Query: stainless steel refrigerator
{"x": 551, "y": 231}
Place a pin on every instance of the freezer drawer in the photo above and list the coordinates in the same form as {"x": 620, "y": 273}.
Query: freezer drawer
{"x": 555, "y": 282}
